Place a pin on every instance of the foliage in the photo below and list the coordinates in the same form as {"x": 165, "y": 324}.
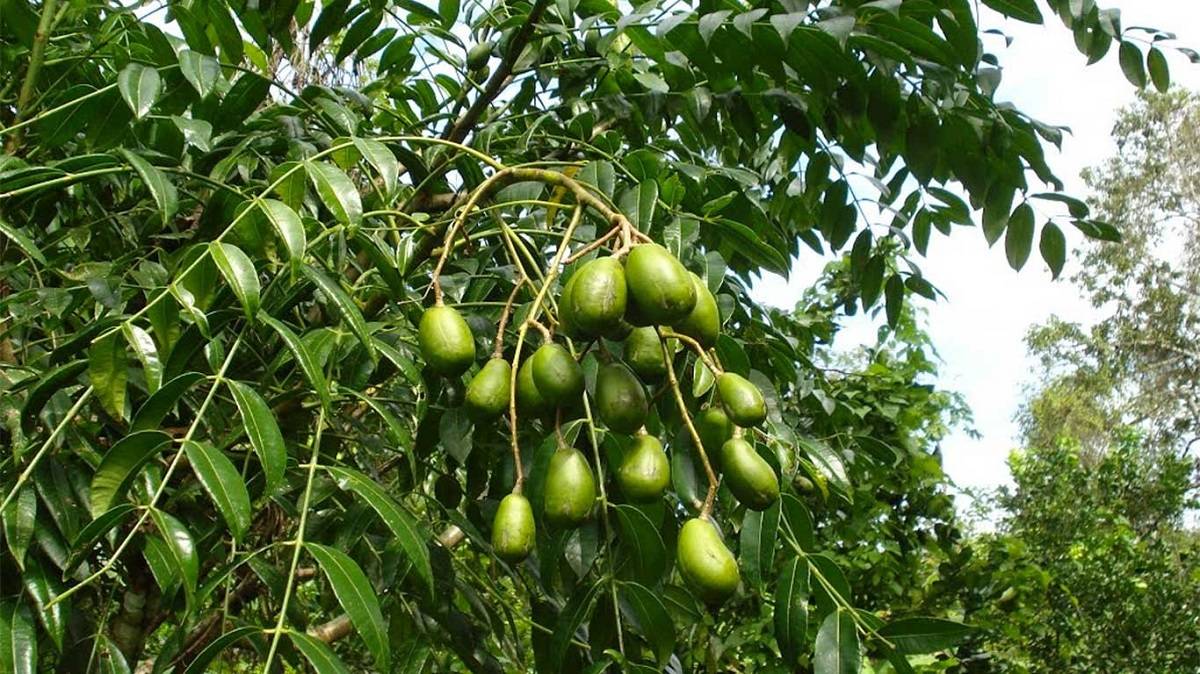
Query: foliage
{"x": 222, "y": 444}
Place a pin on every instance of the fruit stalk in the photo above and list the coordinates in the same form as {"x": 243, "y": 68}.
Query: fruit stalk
{"x": 712, "y": 365}
{"x": 598, "y": 242}
{"x": 673, "y": 381}
{"x": 505, "y": 314}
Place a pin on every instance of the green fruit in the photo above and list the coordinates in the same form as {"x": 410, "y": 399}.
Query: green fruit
{"x": 529, "y": 398}
{"x": 704, "y": 323}
{"x": 513, "y": 529}
{"x": 446, "y": 341}
{"x": 570, "y": 489}
{"x": 644, "y": 353}
{"x": 714, "y": 428}
{"x": 478, "y": 56}
{"x": 558, "y": 377}
{"x": 645, "y": 472}
{"x": 741, "y": 399}
{"x": 567, "y": 325}
{"x": 659, "y": 284}
{"x": 706, "y": 564}
{"x": 488, "y": 392}
{"x": 620, "y": 398}
{"x": 748, "y": 475}
{"x": 597, "y": 296}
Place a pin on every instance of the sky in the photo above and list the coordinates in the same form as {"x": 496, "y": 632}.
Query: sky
{"x": 979, "y": 329}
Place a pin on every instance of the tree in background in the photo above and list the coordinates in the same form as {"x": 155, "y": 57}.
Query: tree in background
{"x": 254, "y": 253}
{"x": 1095, "y": 563}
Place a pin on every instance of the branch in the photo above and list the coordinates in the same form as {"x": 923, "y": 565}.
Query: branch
{"x": 503, "y": 73}
{"x": 36, "y": 55}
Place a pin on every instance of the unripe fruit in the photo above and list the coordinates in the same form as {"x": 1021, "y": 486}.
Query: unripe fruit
{"x": 645, "y": 472}
{"x": 567, "y": 325}
{"x": 659, "y": 284}
{"x": 620, "y": 398}
{"x": 644, "y": 354}
{"x": 558, "y": 377}
{"x": 570, "y": 489}
{"x": 529, "y": 398}
{"x": 478, "y": 56}
{"x": 748, "y": 475}
{"x": 513, "y": 529}
{"x": 597, "y": 296}
{"x": 714, "y": 428}
{"x": 446, "y": 341}
{"x": 705, "y": 563}
{"x": 742, "y": 400}
{"x": 703, "y": 324}
{"x": 488, "y": 392}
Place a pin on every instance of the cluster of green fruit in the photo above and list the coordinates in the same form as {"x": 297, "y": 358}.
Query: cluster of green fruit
{"x": 605, "y": 298}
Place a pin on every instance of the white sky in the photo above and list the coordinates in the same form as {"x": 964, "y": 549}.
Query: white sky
{"x": 979, "y": 330}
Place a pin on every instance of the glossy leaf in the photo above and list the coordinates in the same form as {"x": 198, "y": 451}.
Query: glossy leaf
{"x": 573, "y": 614}
{"x": 108, "y": 374}
{"x": 159, "y": 405}
{"x": 1131, "y": 64}
{"x": 239, "y": 273}
{"x": 337, "y": 192}
{"x": 1160, "y": 72}
{"x": 181, "y": 548}
{"x": 343, "y": 304}
{"x": 163, "y": 190}
{"x": 259, "y": 422}
{"x": 287, "y": 225}
{"x": 1022, "y": 10}
{"x": 18, "y": 639}
{"x": 791, "y": 608}
{"x": 303, "y": 358}
{"x": 382, "y": 160}
{"x": 1053, "y": 246}
{"x": 915, "y": 636}
{"x": 18, "y": 519}
{"x": 139, "y": 86}
{"x": 319, "y": 656}
{"x": 147, "y": 352}
{"x": 223, "y": 483}
{"x": 1018, "y": 238}
{"x": 649, "y": 615}
{"x": 641, "y": 537}
{"x": 51, "y": 382}
{"x": 837, "y": 648}
{"x": 357, "y": 597}
{"x": 22, "y": 241}
{"x": 199, "y": 665}
{"x": 43, "y": 588}
{"x": 757, "y": 545}
{"x": 200, "y": 70}
{"x": 400, "y": 522}
{"x": 95, "y": 530}
{"x": 120, "y": 466}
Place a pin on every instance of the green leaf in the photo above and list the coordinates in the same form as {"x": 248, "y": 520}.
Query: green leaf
{"x": 1131, "y": 64}
{"x": 159, "y": 405}
{"x": 23, "y": 242}
{"x": 830, "y": 587}
{"x": 1160, "y": 72}
{"x": 573, "y": 614}
{"x": 702, "y": 379}
{"x": 354, "y": 592}
{"x": 239, "y": 273}
{"x": 304, "y": 359}
{"x": 757, "y": 549}
{"x": 139, "y": 87}
{"x": 120, "y": 466}
{"x": 163, "y": 190}
{"x": 243, "y": 98}
{"x": 196, "y": 132}
{"x": 18, "y": 520}
{"x": 837, "y": 648}
{"x": 200, "y": 664}
{"x": 1018, "y": 239}
{"x": 201, "y": 70}
{"x": 645, "y": 610}
{"x": 18, "y": 639}
{"x": 345, "y": 306}
{"x": 893, "y": 293}
{"x": 91, "y": 534}
{"x": 42, "y": 588}
{"x": 259, "y": 422}
{"x": 381, "y": 158}
{"x": 50, "y": 383}
{"x": 288, "y": 226}
{"x": 791, "y": 609}
{"x": 798, "y": 522}
{"x": 337, "y": 192}
{"x": 638, "y": 204}
{"x": 402, "y": 525}
{"x": 320, "y": 656}
{"x": 144, "y": 348}
{"x": 448, "y": 9}
{"x": 915, "y": 636}
{"x": 641, "y": 536}
{"x": 996, "y": 212}
{"x": 108, "y": 372}
{"x": 1053, "y": 246}
{"x": 224, "y": 485}
{"x": 181, "y": 549}
{"x": 1022, "y": 10}
{"x": 110, "y": 658}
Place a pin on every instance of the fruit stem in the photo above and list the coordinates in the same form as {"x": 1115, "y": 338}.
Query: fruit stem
{"x": 711, "y": 496}
{"x": 598, "y": 242}
{"x": 711, "y": 364}
{"x": 505, "y": 314}
{"x": 546, "y": 334}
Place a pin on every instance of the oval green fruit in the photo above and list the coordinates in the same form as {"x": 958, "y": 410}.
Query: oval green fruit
{"x": 446, "y": 341}
{"x": 645, "y": 472}
{"x": 742, "y": 400}
{"x": 488, "y": 392}
{"x": 659, "y": 284}
{"x": 598, "y": 296}
{"x": 620, "y": 398}
{"x": 705, "y": 563}
{"x": 567, "y": 325}
{"x": 529, "y": 398}
{"x": 558, "y": 377}
{"x": 714, "y": 428}
{"x": 570, "y": 489}
{"x": 748, "y": 475}
{"x": 703, "y": 324}
{"x": 644, "y": 354}
{"x": 479, "y": 54}
{"x": 513, "y": 529}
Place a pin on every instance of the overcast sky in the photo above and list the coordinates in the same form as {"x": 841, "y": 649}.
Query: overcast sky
{"x": 979, "y": 330}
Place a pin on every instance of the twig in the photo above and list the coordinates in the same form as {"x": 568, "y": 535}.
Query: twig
{"x": 712, "y": 365}
{"x": 710, "y": 497}
{"x": 498, "y": 345}
{"x": 594, "y": 244}
{"x": 37, "y": 54}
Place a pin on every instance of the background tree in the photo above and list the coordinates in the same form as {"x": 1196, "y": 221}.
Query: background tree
{"x": 218, "y": 242}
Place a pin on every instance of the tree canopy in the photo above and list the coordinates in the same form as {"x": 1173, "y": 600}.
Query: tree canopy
{"x": 223, "y": 221}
